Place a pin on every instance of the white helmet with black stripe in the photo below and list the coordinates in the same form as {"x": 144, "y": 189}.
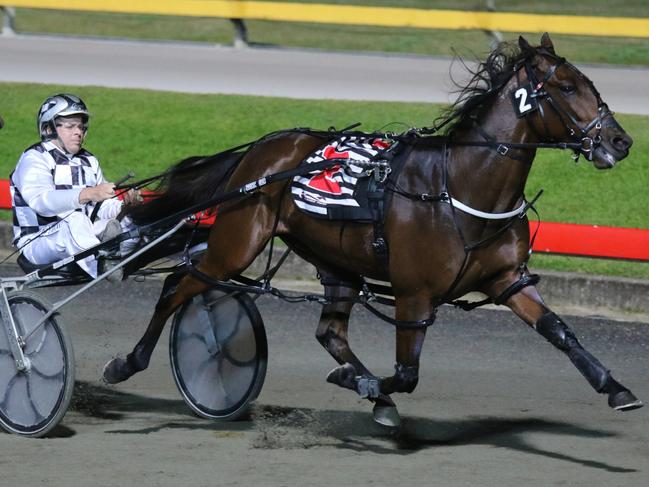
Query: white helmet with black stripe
{"x": 61, "y": 105}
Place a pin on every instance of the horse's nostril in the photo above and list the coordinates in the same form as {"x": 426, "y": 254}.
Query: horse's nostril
{"x": 621, "y": 142}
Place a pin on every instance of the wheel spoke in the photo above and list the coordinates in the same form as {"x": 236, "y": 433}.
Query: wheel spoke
{"x": 10, "y": 385}
{"x": 37, "y": 413}
{"x": 218, "y": 383}
{"x": 56, "y": 375}
{"x": 238, "y": 363}
{"x": 185, "y": 336}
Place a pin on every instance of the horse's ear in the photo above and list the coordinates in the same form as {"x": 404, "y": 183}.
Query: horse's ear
{"x": 524, "y": 45}
{"x": 546, "y": 43}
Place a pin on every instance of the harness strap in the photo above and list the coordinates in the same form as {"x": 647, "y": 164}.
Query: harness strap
{"x": 444, "y": 197}
{"x": 503, "y": 150}
{"x": 245, "y": 284}
{"x": 519, "y": 145}
{"x": 523, "y": 281}
{"x": 376, "y": 199}
{"x": 400, "y": 323}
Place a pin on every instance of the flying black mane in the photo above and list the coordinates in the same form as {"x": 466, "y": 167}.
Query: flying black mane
{"x": 486, "y": 81}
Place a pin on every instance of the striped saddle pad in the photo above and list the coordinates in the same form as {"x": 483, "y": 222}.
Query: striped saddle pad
{"x": 341, "y": 192}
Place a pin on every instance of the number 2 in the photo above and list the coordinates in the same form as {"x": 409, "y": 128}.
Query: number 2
{"x": 523, "y": 106}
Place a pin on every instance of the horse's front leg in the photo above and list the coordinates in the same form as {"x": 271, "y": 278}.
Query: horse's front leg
{"x": 177, "y": 289}
{"x": 529, "y": 306}
{"x": 409, "y": 342}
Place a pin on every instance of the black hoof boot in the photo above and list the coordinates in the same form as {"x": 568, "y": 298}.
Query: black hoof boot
{"x": 343, "y": 376}
{"x": 118, "y": 370}
{"x": 619, "y": 397}
{"x": 624, "y": 401}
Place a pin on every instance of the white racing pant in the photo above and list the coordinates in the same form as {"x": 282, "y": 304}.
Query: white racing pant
{"x": 68, "y": 237}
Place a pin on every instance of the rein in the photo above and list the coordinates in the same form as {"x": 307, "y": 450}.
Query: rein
{"x": 332, "y": 132}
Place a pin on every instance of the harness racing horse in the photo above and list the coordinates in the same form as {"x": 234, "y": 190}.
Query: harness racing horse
{"x": 439, "y": 246}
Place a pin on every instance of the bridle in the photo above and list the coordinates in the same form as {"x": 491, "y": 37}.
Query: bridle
{"x": 586, "y": 144}
{"x": 534, "y": 91}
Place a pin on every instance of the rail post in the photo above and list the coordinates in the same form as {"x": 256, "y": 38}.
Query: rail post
{"x": 496, "y": 36}
{"x": 240, "y": 33}
{"x": 8, "y": 21}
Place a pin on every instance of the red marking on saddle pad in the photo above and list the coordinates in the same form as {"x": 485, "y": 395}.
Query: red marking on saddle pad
{"x": 324, "y": 181}
{"x": 330, "y": 153}
{"x": 381, "y": 144}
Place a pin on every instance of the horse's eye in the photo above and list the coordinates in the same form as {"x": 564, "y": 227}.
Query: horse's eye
{"x": 568, "y": 89}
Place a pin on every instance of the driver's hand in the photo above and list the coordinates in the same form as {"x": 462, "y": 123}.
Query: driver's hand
{"x": 97, "y": 193}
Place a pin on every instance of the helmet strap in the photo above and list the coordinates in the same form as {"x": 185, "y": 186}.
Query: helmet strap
{"x": 61, "y": 144}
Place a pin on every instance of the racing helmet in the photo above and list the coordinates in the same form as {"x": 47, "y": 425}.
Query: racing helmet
{"x": 60, "y": 105}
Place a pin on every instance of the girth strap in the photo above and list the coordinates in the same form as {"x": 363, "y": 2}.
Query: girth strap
{"x": 376, "y": 199}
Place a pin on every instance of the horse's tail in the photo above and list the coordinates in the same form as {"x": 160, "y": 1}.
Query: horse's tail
{"x": 188, "y": 183}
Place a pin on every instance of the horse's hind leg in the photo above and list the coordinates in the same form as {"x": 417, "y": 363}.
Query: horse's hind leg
{"x": 332, "y": 333}
{"x": 529, "y": 306}
{"x": 236, "y": 238}
{"x": 119, "y": 369}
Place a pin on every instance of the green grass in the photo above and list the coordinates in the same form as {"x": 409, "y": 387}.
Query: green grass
{"x": 130, "y": 131}
{"x": 637, "y": 270}
{"x": 357, "y": 38}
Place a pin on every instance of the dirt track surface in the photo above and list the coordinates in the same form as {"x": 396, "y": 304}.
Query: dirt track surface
{"x": 495, "y": 406}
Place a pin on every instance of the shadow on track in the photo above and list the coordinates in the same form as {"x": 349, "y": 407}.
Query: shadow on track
{"x": 276, "y": 427}
{"x": 98, "y": 401}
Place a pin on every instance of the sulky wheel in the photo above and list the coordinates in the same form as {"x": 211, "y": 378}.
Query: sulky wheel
{"x": 34, "y": 400}
{"x": 218, "y": 352}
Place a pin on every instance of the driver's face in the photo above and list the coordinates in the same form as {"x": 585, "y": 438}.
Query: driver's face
{"x": 71, "y": 132}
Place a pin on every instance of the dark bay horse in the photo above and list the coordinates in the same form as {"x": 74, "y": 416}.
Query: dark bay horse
{"x": 521, "y": 98}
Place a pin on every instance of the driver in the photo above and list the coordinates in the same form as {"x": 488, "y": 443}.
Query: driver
{"x": 57, "y": 184}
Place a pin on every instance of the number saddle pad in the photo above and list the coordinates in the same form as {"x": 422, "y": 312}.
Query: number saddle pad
{"x": 344, "y": 191}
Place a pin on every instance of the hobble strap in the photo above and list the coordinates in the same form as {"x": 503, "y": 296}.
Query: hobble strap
{"x": 523, "y": 281}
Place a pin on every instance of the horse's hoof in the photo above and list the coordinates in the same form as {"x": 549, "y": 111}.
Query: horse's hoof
{"x": 387, "y": 415}
{"x": 624, "y": 401}
{"x": 343, "y": 376}
{"x": 117, "y": 370}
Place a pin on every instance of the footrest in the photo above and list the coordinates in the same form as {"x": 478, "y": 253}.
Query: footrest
{"x": 68, "y": 271}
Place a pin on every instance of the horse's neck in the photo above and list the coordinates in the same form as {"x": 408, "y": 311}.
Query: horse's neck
{"x": 498, "y": 179}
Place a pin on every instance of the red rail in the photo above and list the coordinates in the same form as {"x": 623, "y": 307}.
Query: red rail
{"x": 5, "y": 196}
{"x": 593, "y": 241}
{"x": 552, "y": 238}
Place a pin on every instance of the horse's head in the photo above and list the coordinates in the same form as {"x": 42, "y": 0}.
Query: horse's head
{"x": 563, "y": 105}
